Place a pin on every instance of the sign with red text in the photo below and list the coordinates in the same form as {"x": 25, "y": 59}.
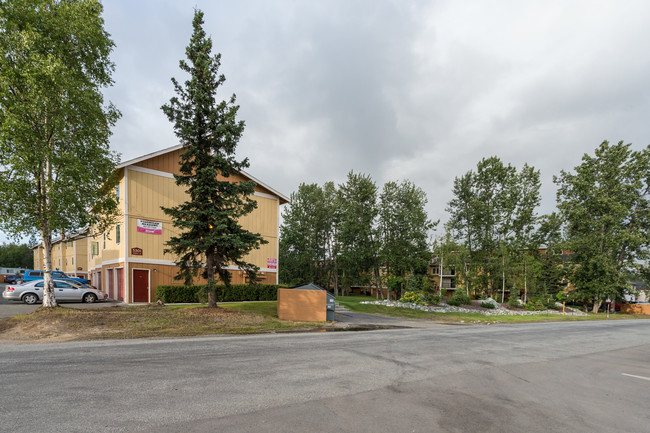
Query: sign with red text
{"x": 150, "y": 227}
{"x": 271, "y": 263}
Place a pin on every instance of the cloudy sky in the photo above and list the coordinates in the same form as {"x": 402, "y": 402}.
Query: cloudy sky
{"x": 418, "y": 90}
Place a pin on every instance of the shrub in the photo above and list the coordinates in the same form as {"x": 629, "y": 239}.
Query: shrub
{"x": 237, "y": 292}
{"x": 432, "y": 298}
{"x": 489, "y": 305}
{"x": 413, "y": 298}
{"x": 539, "y": 304}
{"x": 179, "y": 294}
{"x": 459, "y": 298}
{"x": 514, "y": 302}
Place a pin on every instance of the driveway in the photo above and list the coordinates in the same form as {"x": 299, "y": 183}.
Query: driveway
{"x": 359, "y": 321}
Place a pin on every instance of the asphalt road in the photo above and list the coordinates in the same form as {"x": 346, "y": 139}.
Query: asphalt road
{"x": 547, "y": 377}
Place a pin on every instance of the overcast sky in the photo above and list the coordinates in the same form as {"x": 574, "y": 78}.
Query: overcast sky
{"x": 418, "y": 90}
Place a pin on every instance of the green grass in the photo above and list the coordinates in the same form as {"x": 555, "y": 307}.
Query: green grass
{"x": 264, "y": 308}
{"x": 353, "y": 303}
{"x": 65, "y": 324}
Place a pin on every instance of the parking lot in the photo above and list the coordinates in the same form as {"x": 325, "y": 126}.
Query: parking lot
{"x": 11, "y": 308}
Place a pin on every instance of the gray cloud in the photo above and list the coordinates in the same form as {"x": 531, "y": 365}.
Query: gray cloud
{"x": 398, "y": 89}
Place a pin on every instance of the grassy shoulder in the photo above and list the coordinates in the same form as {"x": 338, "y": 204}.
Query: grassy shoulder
{"x": 146, "y": 321}
{"x": 353, "y": 303}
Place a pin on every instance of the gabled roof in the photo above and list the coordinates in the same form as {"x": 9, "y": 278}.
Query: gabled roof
{"x": 283, "y": 198}
{"x": 310, "y": 286}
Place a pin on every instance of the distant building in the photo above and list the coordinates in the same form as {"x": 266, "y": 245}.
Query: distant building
{"x": 639, "y": 292}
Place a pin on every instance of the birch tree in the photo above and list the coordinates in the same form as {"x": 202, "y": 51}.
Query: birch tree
{"x": 493, "y": 212}
{"x": 359, "y": 247}
{"x": 56, "y": 169}
{"x": 605, "y": 203}
{"x": 403, "y": 229}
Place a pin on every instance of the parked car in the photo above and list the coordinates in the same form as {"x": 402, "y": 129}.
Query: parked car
{"x": 31, "y": 275}
{"x": 12, "y": 279}
{"x": 64, "y": 291}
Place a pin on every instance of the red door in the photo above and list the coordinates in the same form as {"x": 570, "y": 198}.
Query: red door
{"x": 111, "y": 287}
{"x": 120, "y": 284}
{"x": 140, "y": 285}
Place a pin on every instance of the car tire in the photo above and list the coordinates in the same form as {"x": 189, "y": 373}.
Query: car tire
{"x": 30, "y": 298}
{"x": 89, "y": 298}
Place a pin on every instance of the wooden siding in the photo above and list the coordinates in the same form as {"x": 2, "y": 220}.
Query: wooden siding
{"x": 303, "y": 305}
{"x": 636, "y": 309}
{"x": 148, "y": 192}
{"x": 67, "y": 256}
{"x": 38, "y": 258}
{"x": 169, "y": 163}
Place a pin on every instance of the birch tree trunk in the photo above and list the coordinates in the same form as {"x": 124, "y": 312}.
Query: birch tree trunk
{"x": 48, "y": 284}
{"x": 49, "y": 299}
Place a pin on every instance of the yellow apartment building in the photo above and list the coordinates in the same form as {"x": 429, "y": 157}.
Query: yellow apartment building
{"x": 69, "y": 254}
{"x": 128, "y": 261}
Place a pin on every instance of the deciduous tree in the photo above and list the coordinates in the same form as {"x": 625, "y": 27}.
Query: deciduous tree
{"x": 16, "y": 256}
{"x": 605, "y": 204}
{"x": 57, "y": 170}
{"x": 403, "y": 229}
{"x": 358, "y": 258}
{"x": 493, "y": 214}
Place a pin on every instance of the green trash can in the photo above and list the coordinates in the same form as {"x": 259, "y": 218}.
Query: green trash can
{"x": 331, "y": 307}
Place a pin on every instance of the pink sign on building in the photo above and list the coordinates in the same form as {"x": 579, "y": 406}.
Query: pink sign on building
{"x": 150, "y": 227}
{"x": 271, "y": 263}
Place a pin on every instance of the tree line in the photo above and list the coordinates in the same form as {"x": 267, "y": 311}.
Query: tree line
{"x": 495, "y": 240}
{"x": 353, "y": 234}
{"x": 16, "y": 256}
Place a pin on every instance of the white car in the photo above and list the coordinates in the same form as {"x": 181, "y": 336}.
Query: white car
{"x": 64, "y": 291}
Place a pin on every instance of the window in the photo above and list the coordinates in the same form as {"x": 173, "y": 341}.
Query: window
{"x": 72, "y": 260}
{"x": 104, "y": 241}
{"x": 58, "y": 275}
{"x": 118, "y": 233}
{"x": 117, "y": 193}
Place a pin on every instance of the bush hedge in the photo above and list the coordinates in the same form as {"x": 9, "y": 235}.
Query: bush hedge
{"x": 237, "y": 292}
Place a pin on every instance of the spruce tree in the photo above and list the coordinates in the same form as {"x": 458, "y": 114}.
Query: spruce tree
{"x": 211, "y": 238}
{"x": 56, "y": 169}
